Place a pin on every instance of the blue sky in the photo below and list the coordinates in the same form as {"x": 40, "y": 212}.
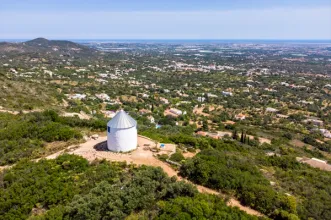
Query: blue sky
{"x": 160, "y": 19}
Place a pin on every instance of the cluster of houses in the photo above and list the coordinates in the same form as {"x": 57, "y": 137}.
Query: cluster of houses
{"x": 109, "y": 74}
{"x": 76, "y": 96}
{"x": 180, "y": 66}
{"x": 326, "y": 133}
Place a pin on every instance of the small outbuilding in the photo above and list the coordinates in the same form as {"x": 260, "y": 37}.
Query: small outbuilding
{"x": 122, "y": 133}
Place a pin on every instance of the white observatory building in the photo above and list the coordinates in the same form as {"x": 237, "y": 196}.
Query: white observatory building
{"x": 122, "y": 133}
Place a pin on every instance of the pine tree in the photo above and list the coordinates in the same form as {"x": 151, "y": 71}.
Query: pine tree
{"x": 242, "y": 137}
{"x": 205, "y": 125}
{"x": 235, "y": 135}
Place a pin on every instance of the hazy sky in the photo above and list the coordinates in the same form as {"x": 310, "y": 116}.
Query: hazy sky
{"x": 165, "y": 19}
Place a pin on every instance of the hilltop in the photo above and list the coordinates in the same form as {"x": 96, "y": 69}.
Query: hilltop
{"x": 43, "y": 47}
{"x": 64, "y": 44}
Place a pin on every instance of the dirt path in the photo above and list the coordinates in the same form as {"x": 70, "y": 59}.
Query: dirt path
{"x": 5, "y": 167}
{"x": 232, "y": 202}
{"x": 18, "y": 112}
{"x": 202, "y": 189}
{"x": 189, "y": 154}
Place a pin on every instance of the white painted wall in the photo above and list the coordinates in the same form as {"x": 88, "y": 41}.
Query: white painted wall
{"x": 122, "y": 139}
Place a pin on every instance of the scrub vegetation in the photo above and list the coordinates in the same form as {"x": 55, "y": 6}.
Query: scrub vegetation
{"x": 71, "y": 188}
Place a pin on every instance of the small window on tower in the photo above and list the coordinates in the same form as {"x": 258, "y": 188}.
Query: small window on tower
{"x": 108, "y": 129}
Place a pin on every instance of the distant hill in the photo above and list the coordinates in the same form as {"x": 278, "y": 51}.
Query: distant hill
{"x": 64, "y": 44}
{"x": 43, "y": 46}
{"x": 38, "y": 42}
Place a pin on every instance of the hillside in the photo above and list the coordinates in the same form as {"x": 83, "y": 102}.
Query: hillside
{"x": 43, "y": 43}
{"x": 20, "y": 95}
{"x": 44, "y": 47}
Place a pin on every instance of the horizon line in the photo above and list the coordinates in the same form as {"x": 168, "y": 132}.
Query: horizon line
{"x": 264, "y": 39}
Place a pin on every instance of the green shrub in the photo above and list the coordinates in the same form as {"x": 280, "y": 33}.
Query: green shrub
{"x": 177, "y": 157}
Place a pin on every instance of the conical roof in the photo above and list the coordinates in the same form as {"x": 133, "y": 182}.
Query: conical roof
{"x": 122, "y": 120}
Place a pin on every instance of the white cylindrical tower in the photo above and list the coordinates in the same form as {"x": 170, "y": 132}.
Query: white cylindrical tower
{"x": 122, "y": 133}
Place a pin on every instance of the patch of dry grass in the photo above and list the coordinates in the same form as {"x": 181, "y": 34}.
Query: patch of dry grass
{"x": 25, "y": 95}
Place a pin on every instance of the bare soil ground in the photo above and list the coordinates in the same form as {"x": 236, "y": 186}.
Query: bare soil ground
{"x": 261, "y": 139}
{"x": 168, "y": 112}
{"x": 317, "y": 164}
{"x": 128, "y": 98}
{"x": 81, "y": 115}
{"x": 4, "y": 167}
{"x": 297, "y": 143}
{"x": 228, "y": 122}
{"x": 189, "y": 154}
{"x": 223, "y": 133}
{"x": 199, "y": 111}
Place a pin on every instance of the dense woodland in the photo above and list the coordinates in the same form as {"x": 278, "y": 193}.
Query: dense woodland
{"x": 70, "y": 188}
{"x": 231, "y": 166}
{"x": 245, "y": 171}
{"x": 237, "y": 174}
{"x": 25, "y": 135}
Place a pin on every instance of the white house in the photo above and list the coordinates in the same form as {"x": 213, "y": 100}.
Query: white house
{"x": 151, "y": 119}
{"x": 122, "y": 133}
{"x": 176, "y": 111}
{"x": 109, "y": 114}
{"x": 145, "y": 95}
{"x": 212, "y": 95}
{"x": 164, "y": 100}
{"x": 201, "y": 99}
{"x": 103, "y": 96}
{"x": 240, "y": 116}
{"x": 314, "y": 121}
{"x": 269, "y": 109}
{"x": 77, "y": 96}
{"x": 50, "y": 73}
{"x": 227, "y": 93}
{"x": 325, "y": 133}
